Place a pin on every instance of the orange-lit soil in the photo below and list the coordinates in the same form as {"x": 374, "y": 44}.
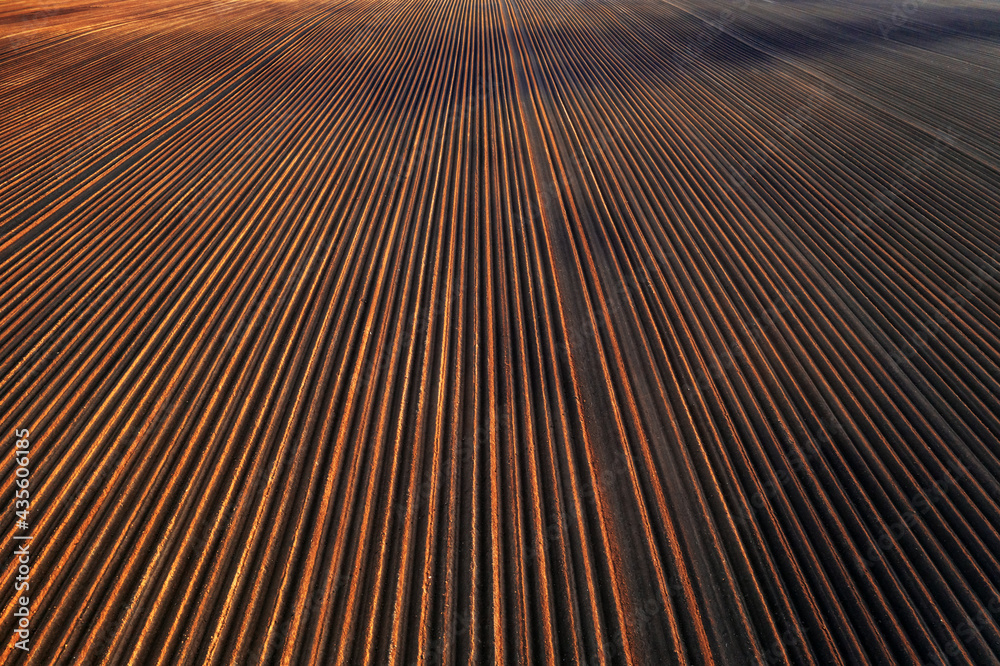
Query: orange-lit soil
{"x": 502, "y": 331}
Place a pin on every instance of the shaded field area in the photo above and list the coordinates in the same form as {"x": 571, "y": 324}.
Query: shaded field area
{"x": 503, "y": 331}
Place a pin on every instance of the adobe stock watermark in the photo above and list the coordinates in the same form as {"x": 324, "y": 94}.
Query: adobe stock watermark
{"x": 22, "y": 505}
{"x": 922, "y": 502}
{"x": 762, "y": 155}
{"x": 710, "y": 32}
{"x": 912, "y": 171}
{"x": 966, "y": 631}
{"x": 902, "y": 13}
